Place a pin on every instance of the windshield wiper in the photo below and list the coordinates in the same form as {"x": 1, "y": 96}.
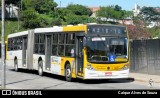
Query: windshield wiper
{"x": 102, "y": 41}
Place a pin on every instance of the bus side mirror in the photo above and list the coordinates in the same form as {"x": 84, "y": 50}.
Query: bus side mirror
{"x": 84, "y": 42}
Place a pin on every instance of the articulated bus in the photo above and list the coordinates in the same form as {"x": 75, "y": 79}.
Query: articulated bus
{"x": 86, "y": 51}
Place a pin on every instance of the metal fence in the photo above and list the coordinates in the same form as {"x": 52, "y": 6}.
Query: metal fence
{"x": 145, "y": 56}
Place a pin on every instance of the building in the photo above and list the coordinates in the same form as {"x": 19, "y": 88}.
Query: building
{"x": 136, "y": 10}
{"x": 11, "y": 11}
{"x": 94, "y": 10}
{"x": 126, "y": 21}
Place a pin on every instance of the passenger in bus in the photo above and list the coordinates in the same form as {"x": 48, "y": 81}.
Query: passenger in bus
{"x": 72, "y": 52}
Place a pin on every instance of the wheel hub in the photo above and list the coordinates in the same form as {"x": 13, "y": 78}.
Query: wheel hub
{"x": 68, "y": 72}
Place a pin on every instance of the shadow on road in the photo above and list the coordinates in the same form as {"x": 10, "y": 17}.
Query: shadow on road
{"x": 92, "y": 81}
{"x": 34, "y": 72}
{"x": 99, "y": 81}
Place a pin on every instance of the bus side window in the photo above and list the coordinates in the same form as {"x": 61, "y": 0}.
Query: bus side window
{"x": 61, "y": 50}
{"x": 69, "y": 50}
{"x": 72, "y": 52}
{"x": 11, "y": 44}
{"x": 55, "y": 44}
{"x": 69, "y": 46}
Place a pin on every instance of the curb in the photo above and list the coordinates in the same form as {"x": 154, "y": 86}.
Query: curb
{"x": 145, "y": 77}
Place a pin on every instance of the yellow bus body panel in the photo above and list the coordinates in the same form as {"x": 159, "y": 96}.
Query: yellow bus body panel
{"x": 108, "y": 67}
{"x": 72, "y": 64}
{"x": 75, "y": 28}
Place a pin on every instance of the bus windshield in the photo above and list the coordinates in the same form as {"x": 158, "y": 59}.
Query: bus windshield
{"x": 99, "y": 49}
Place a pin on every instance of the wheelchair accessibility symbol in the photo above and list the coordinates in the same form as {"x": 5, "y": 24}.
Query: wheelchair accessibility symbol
{"x": 112, "y": 58}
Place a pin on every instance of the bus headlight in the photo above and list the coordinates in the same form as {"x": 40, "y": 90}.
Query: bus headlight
{"x": 89, "y": 66}
{"x": 125, "y": 67}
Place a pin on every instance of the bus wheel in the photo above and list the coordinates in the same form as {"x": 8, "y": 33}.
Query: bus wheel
{"x": 40, "y": 68}
{"x": 15, "y": 65}
{"x": 68, "y": 73}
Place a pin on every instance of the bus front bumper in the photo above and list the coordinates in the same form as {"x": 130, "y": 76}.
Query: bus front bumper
{"x": 92, "y": 74}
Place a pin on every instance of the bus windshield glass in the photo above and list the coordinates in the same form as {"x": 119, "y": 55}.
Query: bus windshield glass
{"x": 103, "y": 49}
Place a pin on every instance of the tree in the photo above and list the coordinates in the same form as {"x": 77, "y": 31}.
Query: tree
{"x": 62, "y": 13}
{"x": 150, "y": 14}
{"x": 38, "y": 13}
{"x": 126, "y": 14}
{"x": 28, "y": 4}
{"x": 76, "y": 19}
{"x": 41, "y": 6}
{"x": 47, "y": 21}
{"x": 16, "y": 2}
{"x": 105, "y": 12}
{"x": 114, "y": 13}
{"x": 30, "y": 19}
{"x": 136, "y": 32}
{"x": 138, "y": 22}
{"x": 155, "y": 31}
{"x": 117, "y": 8}
{"x": 79, "y": 9}
{"x": 74, "y": 14}
{"x": 47, "y": 6}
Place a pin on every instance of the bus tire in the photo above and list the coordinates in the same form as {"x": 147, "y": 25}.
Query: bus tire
{"x": 16, "y": 65}
{"x": 40, "y": 68}
{"x": 68, "y": 74}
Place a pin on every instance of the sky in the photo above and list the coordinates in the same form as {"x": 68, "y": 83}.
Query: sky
{"x": 125, "y": 4}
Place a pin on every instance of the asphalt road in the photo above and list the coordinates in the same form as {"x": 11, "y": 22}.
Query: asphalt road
{"x": 27, "y": 79}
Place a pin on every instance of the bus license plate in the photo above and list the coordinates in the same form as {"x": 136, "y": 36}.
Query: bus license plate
{"x": 108, "y": 73}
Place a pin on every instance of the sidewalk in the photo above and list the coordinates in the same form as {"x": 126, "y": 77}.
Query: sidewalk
{"x": 145, "y": 77}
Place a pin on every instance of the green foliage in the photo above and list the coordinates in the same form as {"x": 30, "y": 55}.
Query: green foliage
{"x": 57, "y": 22}
{"x": 11, "y": 26}
{"x": 74, "y": 14}
{"x": 79, "y": 9}
{"x": 141, "y": 24}
{"x": 30, "y": 19}
{"x": 43, "y": 13}
{"x": 117, "y": 8}
{"x": 110, "y": 12}
{"x": 75, "y": 19}
{"x": 138, "y": 22}
{"x": 38, "y": 13}
{"x": 41, "y": 6}
{"x": 126, "y": 14}
{"x": 105, "y": 12}
{"x": 62, "y": 13}
{"x": 91, "y": 20}
{"x": 28, "y": 4}
{"x": 155, "y": 32}
{"x": 44, "y": 6}
{"x": 149, "y": 14}
{"x": 16, "y": 2}
{"x": 113, "y": 12}
{"x": 45, "y": 20}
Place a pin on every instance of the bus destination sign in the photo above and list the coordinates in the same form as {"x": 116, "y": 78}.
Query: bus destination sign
{"x": 106, "y": 30}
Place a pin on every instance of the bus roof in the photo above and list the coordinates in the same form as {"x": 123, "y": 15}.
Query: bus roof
{"x": 50, "y": 29}
{"x": 68, "y": 28}
{"x": 74, "y": 28}
{"x": 18, "y": 34}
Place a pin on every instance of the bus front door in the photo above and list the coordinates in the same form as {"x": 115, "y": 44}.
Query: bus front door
{"x": 79, "y": 56}
{"x": 48, "y": 52}
{"x": 24, "y": 48}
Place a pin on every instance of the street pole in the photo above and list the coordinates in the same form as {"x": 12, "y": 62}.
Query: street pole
{"x": 3, "y": 47}
{"x": 21, "y": 4}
